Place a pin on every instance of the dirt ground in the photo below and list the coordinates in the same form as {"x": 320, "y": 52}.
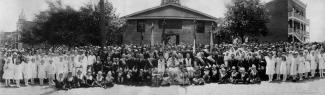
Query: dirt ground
{"x": 311, "y": 87}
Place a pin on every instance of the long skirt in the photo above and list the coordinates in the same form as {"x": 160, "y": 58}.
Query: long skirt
{"x": 8, "y": 73}
{"x": 41, "y": 72}
{"x": 301, "y": 68}
{"x": 270, "y": 69}
{"x": 313, "y": 65}
{"x": 277, "y": 68}
{"x": 321, "y": 64}
{"x": 307, "y": 66}
{"x": 33, "y": 70}
{"x": 18, "y": 74}
{"x": 293, "y": 69}
{"x": 283, "y": 68}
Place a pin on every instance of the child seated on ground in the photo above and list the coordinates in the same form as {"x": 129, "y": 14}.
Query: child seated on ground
{"x": 99, "y": 79}
{"x": 234, "y": 78}
{"x": 70, "y": 81}
{"x": 108, "y": 82}
{"x": 165, "y": 80}
{"x": 89, "y": 80}
{"x": 224, "y": 75}
{"x": 243, "y": 76}
{"x": 59, "y": 83}
{"x": 214, "y": 75}
{"x": 253, "y": 75}
{"x": 198, "y": 80}
{"x": 80, "y": 82}
{"x": 206, "y": 75}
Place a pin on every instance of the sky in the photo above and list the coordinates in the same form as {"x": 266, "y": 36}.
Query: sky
{"x": 10, "y": 10}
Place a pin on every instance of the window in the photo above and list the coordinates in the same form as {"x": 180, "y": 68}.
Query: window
{"x": 170, "y": 24}
{"x": 200, "y": 27}
{"x": 141, "y": 26}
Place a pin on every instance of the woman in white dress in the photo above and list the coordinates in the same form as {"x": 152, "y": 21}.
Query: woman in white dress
{"x": 283, "y": 68}
{"x": 313, "y": 63}
{"x": 18, "y": 71}
{"x": 8, "y": 69}
{"x": 41, "y": 70}
{"x": 270, "y": 66}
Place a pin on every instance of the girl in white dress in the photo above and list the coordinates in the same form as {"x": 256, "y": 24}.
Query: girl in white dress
{"x": 41, "y": 70}
{"x": 18, "y": 71}
{"x": 270, "y": 66}
{"x": 283, "y": 68}
{"x": 8, "y": 70}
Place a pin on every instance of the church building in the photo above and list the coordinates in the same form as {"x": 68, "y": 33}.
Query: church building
{"x": 169, "y": 23}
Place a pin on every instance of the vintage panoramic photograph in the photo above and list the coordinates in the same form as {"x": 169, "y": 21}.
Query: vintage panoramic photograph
{"x": 162, "y": 47}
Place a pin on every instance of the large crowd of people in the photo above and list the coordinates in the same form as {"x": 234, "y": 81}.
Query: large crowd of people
{"x": 162, "y": 65}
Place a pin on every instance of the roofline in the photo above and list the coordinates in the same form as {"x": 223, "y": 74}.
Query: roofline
{"x": 169, "y": 17}
{"x": 175, "y": 5}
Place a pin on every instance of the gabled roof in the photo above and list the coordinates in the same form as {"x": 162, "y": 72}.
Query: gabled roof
{"x": 162, "y": 12}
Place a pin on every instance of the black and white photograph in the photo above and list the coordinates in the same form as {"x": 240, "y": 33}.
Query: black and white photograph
{"x": 162, "y": 47}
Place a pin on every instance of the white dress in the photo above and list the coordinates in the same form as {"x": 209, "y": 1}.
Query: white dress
{"x": 8, "y": 69}
{"x": 161, "y": 66}
{"x": 41, "y": 69}
{"x": 307, "y": 65}
{"x": 270, "y": 65}
{"x": 301, "y": 65}
{"x": 289, "y": 62}
{"x": 293, "y": 67}
{"x": 278, "y": 62}
{"x": 313, "y": 64}
{"x": 26, "y": 70}
{"x": 18, "y": 71}
{"x": 321, "y": 61}
{"x": 283, "y": 67}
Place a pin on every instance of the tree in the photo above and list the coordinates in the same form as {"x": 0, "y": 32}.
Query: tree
{"x": 63, "y": 25}
{"x": 246, "y": 18}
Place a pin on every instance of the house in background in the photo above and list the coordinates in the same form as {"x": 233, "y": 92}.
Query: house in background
{"x": 170, "y": 23}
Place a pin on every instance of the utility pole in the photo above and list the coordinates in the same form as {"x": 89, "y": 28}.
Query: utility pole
{"x": 102, "y": 22}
